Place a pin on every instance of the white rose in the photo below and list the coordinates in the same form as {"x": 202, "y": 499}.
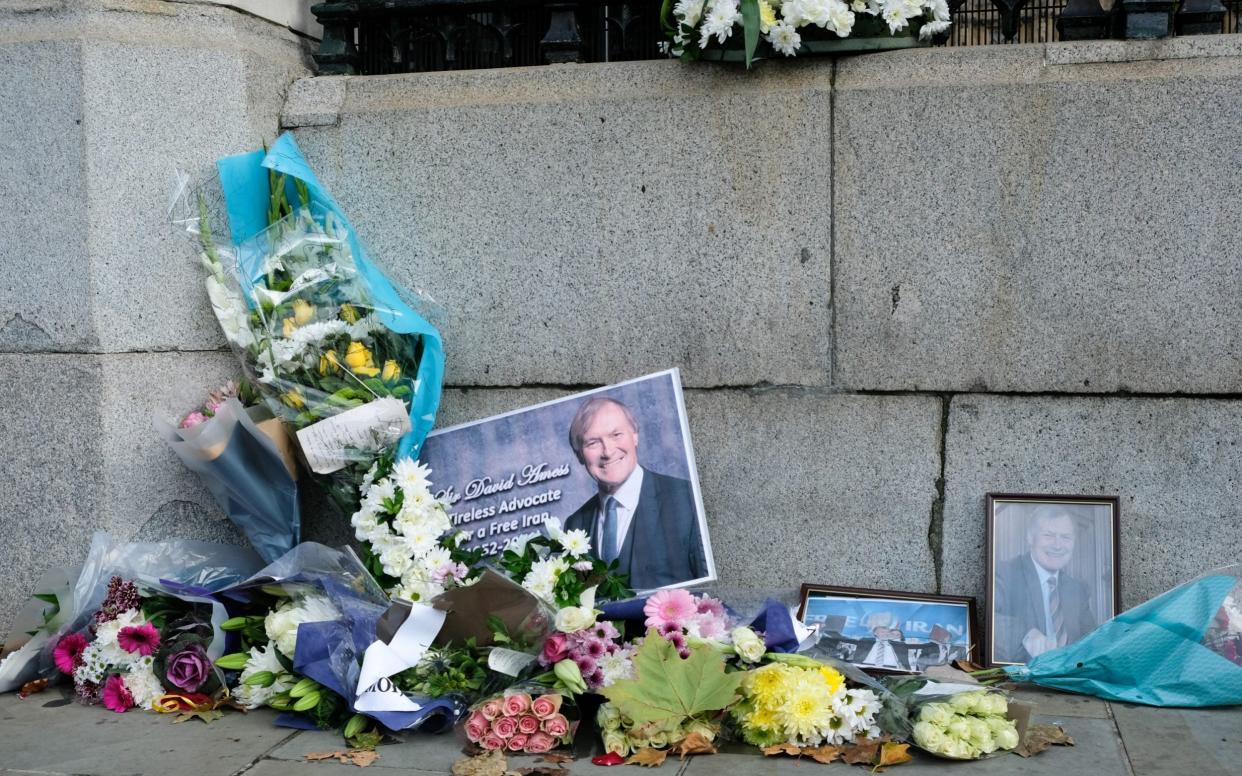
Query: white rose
{"x": 748, "y": 645}
{"x": 572, "y": 619}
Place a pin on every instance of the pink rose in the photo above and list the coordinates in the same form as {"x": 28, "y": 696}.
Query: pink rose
{"x": 528, "y": 724}
{"x": 516, "y": 704}
{"x": 490, "y": 710}
{"x": 555, "y": 648}
{"x": 539, "y": 743}
{"x": 517, "y": 743}
{"x": 504, "y": 727}
{"x": 492, "y": 743}
{"x": 546, "y": 705}
{"x": 556, "y": 726}
{"x": 476, "y": 727}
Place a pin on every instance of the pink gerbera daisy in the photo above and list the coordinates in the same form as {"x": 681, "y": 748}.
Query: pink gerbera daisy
{"x": 669, "y": 606}
{"x": 139, "y": 639}
{"x": 68, "y": 652}
{"x": 116, "y": 695}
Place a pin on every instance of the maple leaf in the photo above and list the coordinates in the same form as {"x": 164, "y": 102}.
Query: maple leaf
{"x": 893, "y": 753}
{"x": 206, "y": 715}
{"x": 864, "y": 751}
{"x": 775, "y": 749}
{"x": 360, "y": 757}
{"x": 648, "y": 757}
{"x": 670, "y": 689}
{"x": 1040, "y": 737}
{"x": 492, "y": 763}
{"x": 695, "y": 743}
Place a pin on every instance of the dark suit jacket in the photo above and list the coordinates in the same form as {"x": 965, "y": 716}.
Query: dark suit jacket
{"x": 664, "y": 545}
{"x": 1020, "y": 607}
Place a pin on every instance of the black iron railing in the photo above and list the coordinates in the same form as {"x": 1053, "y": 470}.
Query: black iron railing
{"x": 375, "y": 37}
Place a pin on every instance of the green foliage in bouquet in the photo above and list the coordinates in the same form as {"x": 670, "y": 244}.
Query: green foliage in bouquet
{"x": 451, "y": 670}
{"x": 669, "y": 689}
{"x": 549, "y": 566}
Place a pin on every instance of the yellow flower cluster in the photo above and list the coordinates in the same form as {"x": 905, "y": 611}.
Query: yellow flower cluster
{"x": 804, "y": 705}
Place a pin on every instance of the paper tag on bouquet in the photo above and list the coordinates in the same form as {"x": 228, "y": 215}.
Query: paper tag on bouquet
{"x": 376, "y": 690}
{"x": 507, "y": 661}
{"x": 372, "y": 426}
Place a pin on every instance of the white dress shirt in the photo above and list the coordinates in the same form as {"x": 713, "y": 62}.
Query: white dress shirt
{"x": 627, "y": 501}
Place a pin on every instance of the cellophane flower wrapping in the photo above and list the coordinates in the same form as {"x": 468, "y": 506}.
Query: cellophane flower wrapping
{"x": 344, "y": 356}
{"x": 952, "y": 720}
{"x": 1179, "y": 649}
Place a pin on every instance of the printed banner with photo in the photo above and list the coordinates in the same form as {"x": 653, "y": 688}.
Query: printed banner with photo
{"x": 615, "y": 462}
{"x": 890, "y": 633}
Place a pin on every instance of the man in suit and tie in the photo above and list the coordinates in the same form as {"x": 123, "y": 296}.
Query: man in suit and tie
{"x": 1038, "y": 605}
{"x": 644, "y": 520}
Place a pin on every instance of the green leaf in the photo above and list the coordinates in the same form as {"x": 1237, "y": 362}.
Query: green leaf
{"x": 668, "y": 689}
{"x": 750, "y": 26}
{"x": 48, "y": 598}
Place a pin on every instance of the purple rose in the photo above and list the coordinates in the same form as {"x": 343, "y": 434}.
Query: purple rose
{"x": 189, "y": 668}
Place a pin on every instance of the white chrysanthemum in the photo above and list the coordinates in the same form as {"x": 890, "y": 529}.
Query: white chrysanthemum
{"x": 576, "y": 542}
{"x": 93, "y": 667}
{"x": 544, "y": 573}
{"x": 282, "y": 624}
{"x": 106, "y": 633}
{"x": 785, "y": 39}
{"x": 261, "y": 659}
{"x": 368, "y": 527}
{"x": 143, "y": 684}
{"x": 367, "y": 479}
{"x": 411, "y": 476}
{"x": 718, "y": 22}
{"x": 689, "y": 11}
{"x": 231, "y": 312}
{"x": 896, "y": 14}
{"x": 932, "y": 28}
{"x": 618, "y": 665}
{"x": 840, "y": 18}
{"x": 420, "y": 541}
{"x": 378, "y": 493}
{"x": 364, "y": 327}
{"x": 518, "y": 543}
{"x": 939, "y": 9}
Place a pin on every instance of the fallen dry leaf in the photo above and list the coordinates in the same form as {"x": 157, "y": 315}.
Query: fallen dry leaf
{"x": 775, "y": 749}
{"x": 648, "y": 757}
{"x": 538, "y": 770}
{"x": 968, "y": 666}
{"x": 822, "y": 754}
{"x": 206, "y": 715}
{"x": 865, "y": 751}
{"x": 695, "y": 743}
{"x": 360, "y": 757}
{"x": 1040, "y": 737}
{"x": 492, "y": 763}
{"x": 893, "y": 753}
{"x": 557, "y": 757}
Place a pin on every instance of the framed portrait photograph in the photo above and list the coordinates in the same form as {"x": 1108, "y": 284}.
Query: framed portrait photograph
{"x": 890, "y": 631}
{"x": 615, "y": 462}
{"x": 1052, "y": 571}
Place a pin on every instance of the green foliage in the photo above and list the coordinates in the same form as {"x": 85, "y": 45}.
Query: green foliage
{"x": 750, "y": 27}
{"x": 610, "y": 584}
{"x": 449, "y": 670}
{"x": 668, "y": 689}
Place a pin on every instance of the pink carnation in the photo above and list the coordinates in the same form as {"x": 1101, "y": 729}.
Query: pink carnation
{"x": 193, "y": 419}
{"x": 68, "y": 652}
{"x": 669, "y": 607}
{"x": 116, "y": 695}
{"x": 139, "y": 639}
{"x": 516, "y": 704}
{"x": 546, "y": 705}
{"x": 504, "y": 727}
{"x": 556, "y": 726}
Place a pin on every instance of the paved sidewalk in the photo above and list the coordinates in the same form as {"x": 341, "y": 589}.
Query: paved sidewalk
{"x": 45, "y": 734}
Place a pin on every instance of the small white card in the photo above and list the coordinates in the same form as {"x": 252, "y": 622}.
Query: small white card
{"x": 372, "y": 426}
{"x": 508, "y": 661}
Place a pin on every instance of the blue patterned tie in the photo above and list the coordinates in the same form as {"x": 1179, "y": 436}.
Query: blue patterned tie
{"x": 608, "y": 539}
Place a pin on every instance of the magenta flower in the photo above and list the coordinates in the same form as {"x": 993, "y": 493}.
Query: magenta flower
{"x": 708, "y": 605}
{"x": 116, "y": 695}
{"x": 68, "y": 652}
{"x": 669, "y": 607}
{"x": 193, "y": 419}
{"x": 139, "y": 639}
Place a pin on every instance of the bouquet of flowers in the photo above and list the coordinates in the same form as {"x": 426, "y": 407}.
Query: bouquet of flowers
{"x": 803, "y": 702}
{"x": 246, "y": 459}
{"x": 521, "y": 722}
{"x": 792, "y": 27}
{"x": 407, "y": 538}
{"x": 336, "y": 350}
{"x": 558, "y": 567}
{"x": 964, "y": 724}
{"x": 138, "y": 649}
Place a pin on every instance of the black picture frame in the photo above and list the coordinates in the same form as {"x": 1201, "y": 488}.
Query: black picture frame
{"x": 1015, "y": 592}
{"x": 909, "y": 651}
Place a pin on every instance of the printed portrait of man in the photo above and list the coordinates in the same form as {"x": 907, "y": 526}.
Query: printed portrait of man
{"x": 641, "y": 518}
{"x": 1038, "y": 604}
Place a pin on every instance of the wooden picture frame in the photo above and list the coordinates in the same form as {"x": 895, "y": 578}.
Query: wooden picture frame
{"x": 1032, "y": 538}
{"x": 868, "y": 628}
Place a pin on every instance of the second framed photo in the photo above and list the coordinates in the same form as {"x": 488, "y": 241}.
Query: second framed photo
{"x": 884, "y": 630}
{"x": 1051, "y": 574}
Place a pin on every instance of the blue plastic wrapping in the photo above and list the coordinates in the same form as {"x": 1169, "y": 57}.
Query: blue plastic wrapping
{"x": 1179, "y": 649}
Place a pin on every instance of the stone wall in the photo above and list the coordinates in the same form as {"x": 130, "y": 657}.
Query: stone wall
{"x": 893, "y": 283}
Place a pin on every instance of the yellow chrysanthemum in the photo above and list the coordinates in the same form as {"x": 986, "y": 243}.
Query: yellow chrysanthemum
{"x": 767, "y": 17}
{"x": 767, "y": 685}
{"x": 806, "y": 712}
{"x": 832, "y": 678}
{"x": 764, "y": 718}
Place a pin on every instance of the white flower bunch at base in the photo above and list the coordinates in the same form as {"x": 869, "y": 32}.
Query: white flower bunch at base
{"x": 282, "y": 623}
{"x": 263, "y": 660}
{"x": 966, "y": 726}
{"x": 575, "y": 546}
{"x": 409, "y": 532}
